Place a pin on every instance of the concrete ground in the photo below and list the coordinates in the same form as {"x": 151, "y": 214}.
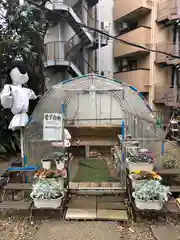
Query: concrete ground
{"x": 64, "y": 230}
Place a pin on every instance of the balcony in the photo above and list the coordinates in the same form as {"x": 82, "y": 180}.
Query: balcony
{"x": 170, "y": 48}
{"x": 141, "y": 36}
{"x": 131, "y": 9}
{"x": 168, "y": 10}
{"x": 166, "y": 95}
{"x": 138, "y": 78}
{"x": 56, "y": 55}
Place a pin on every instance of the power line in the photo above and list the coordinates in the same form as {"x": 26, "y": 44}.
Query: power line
{"x": 123, "y": 41}
{"x": 106, "y": 34}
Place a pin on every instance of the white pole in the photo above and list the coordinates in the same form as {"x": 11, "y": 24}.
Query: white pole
{"x": 21, "y": 2}
{"x": 22, "y": 144}
{"x": 99, "y": 38}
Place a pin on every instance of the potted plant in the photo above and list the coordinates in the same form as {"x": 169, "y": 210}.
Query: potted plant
{"x": 46, "y": 163}
{"x": 140, "y": 177}
{"x": 58, "y": 175}
{"x": 151, "y": 195}
{"x": 140, "y": 160}
{"x": 60, "y": 164}
{"x": 47, "y": 194}
{"x": 58, "y": 158}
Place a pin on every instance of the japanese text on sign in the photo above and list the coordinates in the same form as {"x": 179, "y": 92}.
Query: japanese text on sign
{"x": 53, "y": 127}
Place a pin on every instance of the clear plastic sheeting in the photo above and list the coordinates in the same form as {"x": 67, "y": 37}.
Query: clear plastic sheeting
{"x": 94, "y": 100}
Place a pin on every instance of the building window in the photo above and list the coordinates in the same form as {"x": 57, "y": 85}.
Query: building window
{"x": 126, "y": 27}
{"x": 127, "y": 65}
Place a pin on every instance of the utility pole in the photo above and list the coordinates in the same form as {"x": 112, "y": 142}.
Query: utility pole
{"x": 99, "y": 37}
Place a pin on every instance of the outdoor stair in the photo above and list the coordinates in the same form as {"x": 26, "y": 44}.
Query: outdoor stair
{"x": 96, "y": 188}
{"x": 16, "y": 205}
{"x": 97, "y": 208}
{"x": 73, "y": 20}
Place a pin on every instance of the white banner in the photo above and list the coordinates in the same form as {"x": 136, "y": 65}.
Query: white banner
{"x": 53, "y": 127}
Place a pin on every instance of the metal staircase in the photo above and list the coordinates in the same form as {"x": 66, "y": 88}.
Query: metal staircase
{"x": 61, "y": 55}
{"x": 57, "y": 56}
{"x": 74, "y": 21}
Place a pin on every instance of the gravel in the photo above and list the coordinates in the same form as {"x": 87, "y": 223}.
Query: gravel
{"x": 19, "y": 228}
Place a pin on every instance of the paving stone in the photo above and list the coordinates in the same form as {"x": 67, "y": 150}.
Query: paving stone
{"x": 83, "y": 202}
{"x": 120, "y": 215}
{"x": 167, "y": 232}
{"x": 80, "y": 214}
{"x": 111, "y": 205}
{"x": 94, "y": 184}
{"x": 110, "y": 199}
{"x": 84, "y": 184}
{"x": 106, "y": 184}
{"x": 73, "y": 185}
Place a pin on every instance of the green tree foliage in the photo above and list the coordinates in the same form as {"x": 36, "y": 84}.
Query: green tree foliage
{"x": 22, "y": 32}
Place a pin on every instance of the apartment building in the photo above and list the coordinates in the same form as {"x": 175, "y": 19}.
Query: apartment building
{"x": 154, "y": 25}
{"x": 70, "y": 49}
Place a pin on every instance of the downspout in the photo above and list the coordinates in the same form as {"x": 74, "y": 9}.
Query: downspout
{"x": 175, "y": 41}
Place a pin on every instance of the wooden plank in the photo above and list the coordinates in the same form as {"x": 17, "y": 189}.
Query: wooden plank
{"x": 116, "y": 215}
{"x": 175, "y": 189}
{"x": 94, "y": 126}
{"x": 97, "y": 191}
{"x": 15, "y": 205}
{"x": 94, "y": 143}
{"x": 169, "y": 171}
{"x": 80, "y": 214}
{"x": 18, "y": 186}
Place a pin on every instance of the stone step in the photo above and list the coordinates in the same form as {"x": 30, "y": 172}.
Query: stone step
{"x": 111, "y": 206}
{"x": 82, "y": 202}
{"x": 92, "y": 214}
{"x": 80, "y": 214}
{"x": 166, "y": 232}
{"x": 75, "y": 185}
{"x": 113, "y": 215}
{"x": 110, "y": 198}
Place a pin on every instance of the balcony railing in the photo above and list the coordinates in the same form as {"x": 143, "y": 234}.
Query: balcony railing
{"x": 140, "y": 36}
{"x": 139, "y": 78}
{"x": 170, "y": 48}
{"x": 168, "y": 10}
{"x": 167, "y": 95}
{"x": 131, "y": 9}
{"x": 57, "y": 52}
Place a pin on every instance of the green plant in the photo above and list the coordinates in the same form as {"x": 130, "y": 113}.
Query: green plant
{"x": 152, "y": 190}
{"x": 9, "y": 140}
{"x": 46, "y": 189}
{"x": 171, "y": 159}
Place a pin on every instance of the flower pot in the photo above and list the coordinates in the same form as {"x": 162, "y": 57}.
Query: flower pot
{"x": 141, "y": 166}
{"x": 136, "y": 183}
{"x": 48, "y": 203}
{"x": 148, "y": 205}
{"x": 46, "y": 164}
{"x": 61, "y": 183}
{"x": 59, "y": 165}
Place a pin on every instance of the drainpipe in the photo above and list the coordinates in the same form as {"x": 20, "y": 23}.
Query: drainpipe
{"x": 176, "y": 41}
{"x": 99, "y": 37}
